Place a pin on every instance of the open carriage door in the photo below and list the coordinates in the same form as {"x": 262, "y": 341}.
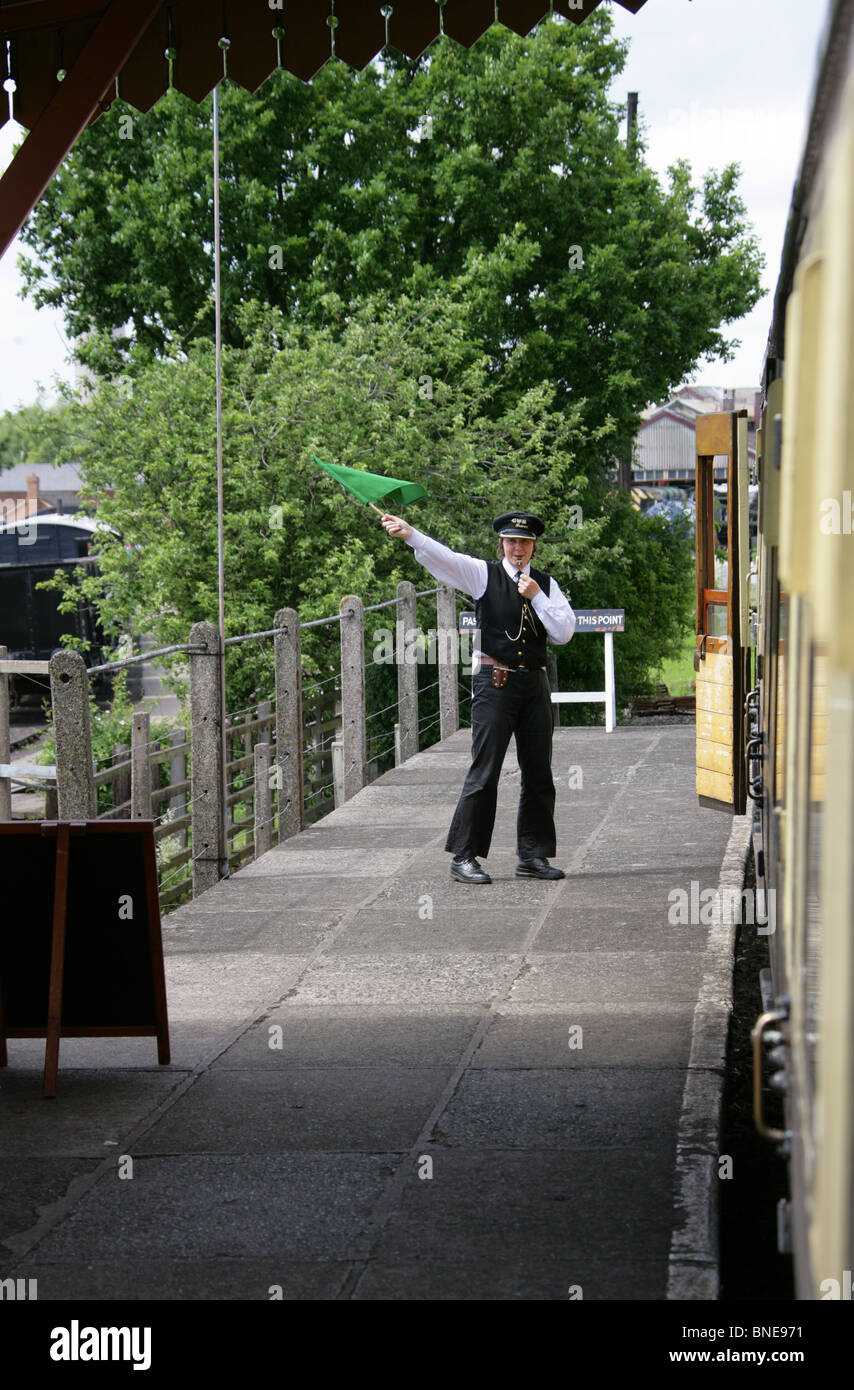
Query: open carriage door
{"x": 722, "y": 651}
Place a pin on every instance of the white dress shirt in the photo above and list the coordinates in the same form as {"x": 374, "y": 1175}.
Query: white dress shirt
{"x": 470, "y": 575}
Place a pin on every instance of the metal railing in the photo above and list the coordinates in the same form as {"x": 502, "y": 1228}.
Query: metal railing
{"x": 289, "y": 759}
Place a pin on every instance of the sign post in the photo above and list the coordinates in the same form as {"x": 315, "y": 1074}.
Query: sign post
{"x": 604, "y": 620}
{"x": 607, "y": 621}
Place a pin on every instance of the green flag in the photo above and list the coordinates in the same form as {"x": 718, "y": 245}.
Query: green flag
{"x": 372, "y": 487}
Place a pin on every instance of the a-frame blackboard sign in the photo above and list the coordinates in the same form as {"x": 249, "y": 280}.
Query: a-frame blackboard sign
{"x": 81, "y": 953}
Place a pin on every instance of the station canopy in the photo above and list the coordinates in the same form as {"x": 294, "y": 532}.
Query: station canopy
{"x": 69, "y": 59}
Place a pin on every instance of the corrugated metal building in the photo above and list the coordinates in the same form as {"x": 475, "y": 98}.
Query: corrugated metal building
{"x": 664, "y": 448}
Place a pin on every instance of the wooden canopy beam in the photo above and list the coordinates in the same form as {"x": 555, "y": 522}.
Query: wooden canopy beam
{"x": 45, "y": 14}
{"x": 77, "y": 98}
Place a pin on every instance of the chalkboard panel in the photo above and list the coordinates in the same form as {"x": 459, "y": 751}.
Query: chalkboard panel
{"x": 103, "y": 942}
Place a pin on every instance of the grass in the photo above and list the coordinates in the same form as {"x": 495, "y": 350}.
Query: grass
{"x": 677, "y": 673}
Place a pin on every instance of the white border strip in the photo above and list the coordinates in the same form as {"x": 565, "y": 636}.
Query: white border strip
{"x": 694, "y": 1256}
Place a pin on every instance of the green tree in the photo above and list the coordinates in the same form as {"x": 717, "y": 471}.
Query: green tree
{"x": 329, "y": 199}
{"x": 32, "y": 434}
{"x": 294, "y": 538}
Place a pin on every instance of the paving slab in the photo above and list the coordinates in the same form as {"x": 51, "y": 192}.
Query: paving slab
{"x": 211, "y": 1207}
{"x": 537, "y": 1036}
{"x": 393, "y": 813}
{"x": 324, "y": 837}
{"x": 621, "y": 913}
{"x": 150, "y": 1279}
{"x": 190, "y": 1042}
{"x": 503, "y": 1204}
{"x": 428, "y": 927}
{"x": 357, "y": 862}
{"x": 28, "y": 1189}
{"x": 591, "y": 977}
{"x": 528, "y": 1277}
{"x": 263, "y": 889}
{"x": 355, "y": 1036}
{"x": 243, "y": 981}
{"x": 90, "y": 1113}
{"x": 528, "y": 1108}
{"x": 294, "y": 1109}
{"x": 410, "y": 977}
{"x": 259, "y": 929}
{"x": 505, "y": 892}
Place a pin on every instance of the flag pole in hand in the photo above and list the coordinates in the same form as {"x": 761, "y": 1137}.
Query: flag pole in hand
{"x": 372, "y": 487}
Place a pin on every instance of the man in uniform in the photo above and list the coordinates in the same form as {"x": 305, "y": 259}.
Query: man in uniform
{"x": 519, "y": 610}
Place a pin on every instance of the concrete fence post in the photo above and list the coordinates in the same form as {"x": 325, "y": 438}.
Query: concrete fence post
{"x": 5, "y": 746}
{"x": 205, "y": 758}
{"x": 448, "y": 654}
{"x": 353, "y": 694}
{"x": 121, "y": 781}
{"x": 178, "y": 773}
{"x": 265, "y": 710}
{"x": 337, "y": 747}
{"x": 289, "y": 774}
{"x": 264, "y": 736}
{"x": 69, "y": 697}
{"x": 140, "y": 766}
{"x": 263, "y": 800}
{"x": 407, "y": 675}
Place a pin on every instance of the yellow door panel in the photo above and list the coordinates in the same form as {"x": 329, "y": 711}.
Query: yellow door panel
{"x": 717, "y": 668}
{"x": 716, "y": 727}
{"x": 716, "y": 699}
{"x": 714, "y": 784}
{"x": 714, "y": 757}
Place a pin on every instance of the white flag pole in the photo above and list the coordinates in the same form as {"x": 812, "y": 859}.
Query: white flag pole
{"x": 224, "y": 871}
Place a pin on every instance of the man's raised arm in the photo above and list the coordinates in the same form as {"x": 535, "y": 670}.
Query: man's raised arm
{"x": 462, "y": 572}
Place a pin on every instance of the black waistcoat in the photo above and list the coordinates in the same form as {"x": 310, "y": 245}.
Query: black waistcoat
{"x": 500, "y": 610}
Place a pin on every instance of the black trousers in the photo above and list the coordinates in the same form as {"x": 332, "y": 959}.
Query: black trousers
{"x": 522, "y": 708}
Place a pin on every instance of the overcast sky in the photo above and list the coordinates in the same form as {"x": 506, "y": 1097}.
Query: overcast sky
{"x": 718, "y": 81}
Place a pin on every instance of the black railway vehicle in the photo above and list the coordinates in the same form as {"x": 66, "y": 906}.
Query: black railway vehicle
{"x": 31, "y": 625}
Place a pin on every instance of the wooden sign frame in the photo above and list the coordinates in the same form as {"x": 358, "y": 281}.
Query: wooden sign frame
{"x": 31, "y": 1007}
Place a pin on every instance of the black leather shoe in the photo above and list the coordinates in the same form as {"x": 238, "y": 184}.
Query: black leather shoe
{"x": 537, "y": 868}
{"x": 469, "y": 871}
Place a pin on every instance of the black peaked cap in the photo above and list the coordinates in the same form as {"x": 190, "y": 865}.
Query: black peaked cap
{"x": 522, "y": 524}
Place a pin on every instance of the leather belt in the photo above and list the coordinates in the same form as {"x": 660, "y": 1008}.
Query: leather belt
{"x": 490, "y": 661}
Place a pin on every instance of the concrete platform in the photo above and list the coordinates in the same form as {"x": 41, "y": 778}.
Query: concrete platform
{"x": 388, "y": 1085}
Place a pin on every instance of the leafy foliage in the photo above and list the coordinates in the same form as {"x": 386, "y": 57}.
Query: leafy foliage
{"x": 293, "y": 537}
{"x": 485, "y": 311}
{"x": 31, "y": 434}
{"x": 615, "y": 287}
{"x": 109, "y": 726}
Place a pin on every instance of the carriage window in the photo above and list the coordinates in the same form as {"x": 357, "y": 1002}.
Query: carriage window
{"x": 73, "y": 543}
{"x": 715, "y": 604}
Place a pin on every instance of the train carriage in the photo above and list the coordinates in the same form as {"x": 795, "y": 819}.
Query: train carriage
{"x": 775, "y": 678}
